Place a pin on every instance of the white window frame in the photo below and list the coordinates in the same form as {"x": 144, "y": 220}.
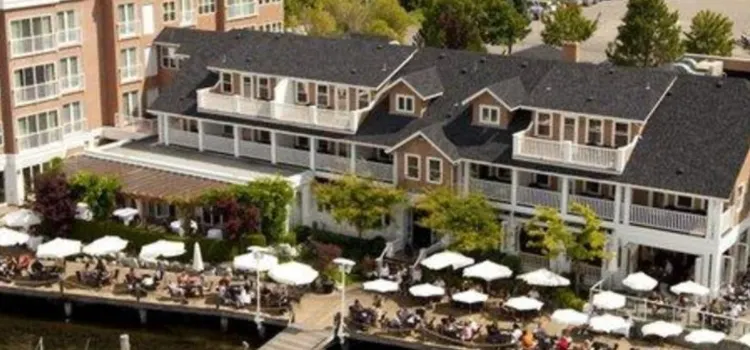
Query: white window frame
{"x": 304, "y": 90}
{"x": 430, "y": 161}
{"x": 127, "y": 26}
{"x": 247, "y": 87}
{"x": 407, "y": 100}
{"x": 589, "y": 121}
{"x": 69, "y": 74}
{"x": 40, "y": 90}
{"x": 226, "y": 87}
{"x": 264, "y": 88}
{"x": 68, "y": 28}
{"x": 363, "y": 98}
{"x": 169, "y": 11}
{"x": 319, "y": 94}
{"x": 237, "y": 9}
{"x": 132, "y": 108}
{"x": 206, "y": 7}
{"x": 158, "y": 210}
{"x": 36, "y": 42}
{"x": 538, "y": 124}
{"x": 678, "y": 205}
{"x": 75, "y": 122}
{"x": 407, "y": 157}
{"x": 564, "y": 124}
{"x": 39, "y": 136}
{"x": 616, "y": 133}
{"x": 167, "y": 59}
{"x": 129, "y": 64}
{"x": 490, "y": 110}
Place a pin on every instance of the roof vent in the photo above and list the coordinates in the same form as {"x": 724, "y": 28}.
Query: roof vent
{"x": 589, "y": 99}
{"x": 463, "y": 71}
{"x": 669, "y": 93}
{"x": 385, "y": 67}
{"x": 611, "y": 71}
{"x": 483, "y": 60}
{"x": 648, "y": 86}
{"x": 247, "y": 59}
{"x": 719, "y": 83}
{"x": 238, "y": 35}
{"x": 379, "y": 47}
{"x": 441, "y": 55}
{"x": 548, "y": 88}
{"x": 679, "y": 171}
{"x": 223, "y": 58}
{"x": 524, "y": 64}
{"x": 353, "y": 71}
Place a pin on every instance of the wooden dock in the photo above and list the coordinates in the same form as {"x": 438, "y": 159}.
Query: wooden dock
{"x": 293, "y": 338}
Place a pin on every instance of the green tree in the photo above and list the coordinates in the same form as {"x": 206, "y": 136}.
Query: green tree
{"x": 550, "y": 233}
{"x": 272, "y": 196}
{"x": 359, "y": 202}
{"x": 470, "y": 220}
{"x": 452, "y": 24}
{"x": 53, "y": 200}
{"x": 501, "y": 24}
{"x": 98, "y": 191}
{"x": 648, "y": 37}
{"x": 335, "y": 17}
{"x": 710, "y": 34}
{"x": 567, "y": 24}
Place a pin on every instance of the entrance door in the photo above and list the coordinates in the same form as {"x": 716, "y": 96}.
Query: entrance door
{"x": 421, "y": 237}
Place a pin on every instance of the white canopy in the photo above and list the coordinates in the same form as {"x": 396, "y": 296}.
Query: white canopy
{"x": 253, "y": 248}
{"x": 58, "y": 248}
{"x": 745, "y": 339}
{"x": 162, "y": 248}
{"x": 524, "y": 303}
{"x": 426, "y": 290}
{"x": 176, "y": 226}
{"x": 21, "y": 218}
{"x": 689, "y": 287}
{"x": 570, "y": 317}
{"x": 545, "y": 278}
{"x": 293, "y": 273}
{"x": 661, "y": 329}
{"x": 10, "y": 237}
{"x": 344, "y": 262}
{"x": 197, "y": 258}
{"x": 470, "y": 297}
{"x": 248, "y": 262}
{"x": 125, "y": 214}
{"x": 83, "y": 212}
{"x": 607, "y": 323}
{"x": 705, "y": 336}
{"x": 105, "y": 245}
{"x": 380, "y": 286}
{"x": 445, "y": 259}
{"x": 640, "y": 281}
{"x": 488, "y": 271}
{"x": 609, "y": 300}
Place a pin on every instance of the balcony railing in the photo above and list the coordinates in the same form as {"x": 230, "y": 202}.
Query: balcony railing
{"x": 241, "y": 10}
{"x": 567, "y": 152}
{"x": 671, "y": 220}
{"x": 538, "y": 197}
{"x": 293, "y": 156}
{"x": 604, "y": 208}
{"x": 74, "y": 127}
{"x": 34, "y": 93}
{"x": 187, "y": 18}
{"x": 69, "y": 36}
{"x": 71, "y": 83}
{"x": 332, "y": 163}
{"x": 128, "y": 29}
{"x": 130, "y": 73}
{"x": 32, "y": 44}
{"x": 376, "y": 170}
{"x": 39, "y": 139}
{"x": 255, "y": 150}
{"x": 218, "y": 143}
{"x": 531, "y": 262}
{"x": 136, "y": 124}
{"x": 183, "y": 138}
{"x": 497, "y": 191}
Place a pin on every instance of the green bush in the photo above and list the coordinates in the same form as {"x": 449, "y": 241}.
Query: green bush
{"x": 257, "y": 239}
{"x": 513, "y": 262}
{"x": 567, "y": 299}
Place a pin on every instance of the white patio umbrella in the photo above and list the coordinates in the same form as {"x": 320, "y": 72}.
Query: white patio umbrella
{"x": 524, "y": 303}
{"x": 445, "y": 259}
{"x": 125, "y": 214}
{"x": 293, "y": 273}
{"x": 488, "y": 271}
{"x": 705, "y": 336}
{"x": 176, "y": 226}
{"x": 380, "y": 286}
{"x": 640, "y": 281}
{"x": 426, "y": 290}
{"x": 253, "y": 248}
{"x": 248, "y": 262}
{"x": 689, "y": 287}
{"x": 21, "y": 218}
{"x": 570, "y": 317}
{"x": 162, "y": 248}
{"x": 83, "y": 212}
{"x": 608, "y": 300}
{"x": 661, "y": 329}
{"x": 58, "y": 248}
{"x": 105, "y": 245}
{"x": 197, "y": 258}
{"x": 10, "y": 237}
{"x": 470, "y": 297}
{"x": 745, "y": 339}
{"x": 544, "y": 278}
{"x": 607, "y": 323}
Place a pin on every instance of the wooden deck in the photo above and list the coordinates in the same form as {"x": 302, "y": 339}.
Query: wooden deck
{"x": 293, "y": 338}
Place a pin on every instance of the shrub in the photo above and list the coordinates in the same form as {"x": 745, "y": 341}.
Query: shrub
{"x": 366, "y": 266}
{"x": 256, "y": 239}
{"x": 324, "y": 254}
{"x": 353, "y": 248}
{"x": 566, "y": 298}
{"x": 513, "y": 262}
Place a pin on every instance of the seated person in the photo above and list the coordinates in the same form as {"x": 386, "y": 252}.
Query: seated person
{"x": 37, "y": 268}
{"x": 159, "y": 273}
{"x": 175, "y": 291}
{"x": 527, "y": 340}
{"x": 516, "y": 334}
{"x": 564, "y": 343}
{"x": 131, "y": 280}
{"x": 100, "y": 267}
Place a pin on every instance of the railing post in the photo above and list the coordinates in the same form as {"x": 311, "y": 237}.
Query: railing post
{"x": 200, "y": 135}
{"x": 313, "y": 113}
{"x": 628, "y": 193}
{"x": 313, "y": 147}
{"x": 353, "y": 158}
{"x": 274, "y": 145}
{"x": 620, "y": 159}
{"x": 516, "y": 144}
{"x": 616, "y": 216}
{"x": 236, "y": 140}
{"x": 567, "y": 151}
{"x": 565, "y": 182}
{"x": 467, "y": 177}
{"x": 513, "y": 188}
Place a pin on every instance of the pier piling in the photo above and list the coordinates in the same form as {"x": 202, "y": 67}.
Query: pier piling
{"x": 224, "y": 322}
{"x": 143, "y": 316}
{"x": 124, "y": 342}
{"x": 68, "y": 308}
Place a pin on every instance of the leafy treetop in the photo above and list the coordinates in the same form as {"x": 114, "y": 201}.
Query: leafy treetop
{"x": 567, "y": 24}
{"x": 98, "y": 191}
{"x": 710, "y": 34}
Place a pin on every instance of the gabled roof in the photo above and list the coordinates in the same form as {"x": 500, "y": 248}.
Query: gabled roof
{"x": 540, "y": 52}
{"x": 426, "y": 83}
{"x": 510, "y": 92}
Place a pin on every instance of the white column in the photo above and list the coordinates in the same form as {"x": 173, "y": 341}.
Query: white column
{"x": 313, "y": 146}
{"x": 353, "y": 158}
{"x": 306, "y": 204}
{"x": 466, "y": 176}
{"x": 565, "y": 189}
{"x": 514, "y": 188}
{"x": 200, "y": 135}
{"x": 15, "y": 192}
{"x": 165, "y": 124}
{"x": 713, "y": 219}
{"x": 717, "y": 262}
{"x": 626, "y": 205}
{"x": 395, "y": 169}
{"x": 160, "y": 127}
{"x": 274, "y": 145}
{"x": 700, "y": 267}
{"x": 236, "y": 141}
{"x": 618, "y": 204}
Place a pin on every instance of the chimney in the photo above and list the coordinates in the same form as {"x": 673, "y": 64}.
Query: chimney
{"x": 570, "y": 52}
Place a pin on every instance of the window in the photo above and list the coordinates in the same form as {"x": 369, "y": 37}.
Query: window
{"x": 301, "y": 93}
{"x": 544, "y": 125}
{"x": 489, "y": 115}
{"x": 569, "y": 129}
{"x": 206, "y": 6}
{"x": 130, "y": 105}
{"x": 158, "y": 209}
{"x": 302, "y": 142}
{"x": 502, "y": 173}
{"x": 595, "y": 132}
{"x": 240, "y": 8}
{"x": 126, "y": 20}
{"x": 592, "y": 187}
{"x": 169, "y": 11}
{"x": 264, "y": 88}
{"x": 38, "y": 130}
{"x": 72, "y": 117}
{"x": 622, "y": 134}
{"x": 404, "y": 104}
{"x": 684, "y": 202}
{"x": 542, "y": 180}
{"x": 247, "y": 86}
{"x": 167, "y": 58}
{"x": 363, "y": 98}
{"x": 68, "y": 28}
{"x": 31, "y": 35}
{"x": 34, "y": 83}
{"x": 262, "y": 136}
{"x": 129, "y": 67}
{"x": 434, "y": 170}
{"x": 226, "y": 83}
{"x": 189, "y": 125}
{"x": 70, "y": 74}
{"x": 322, "y": 96}
{"x": 413, "y": 166}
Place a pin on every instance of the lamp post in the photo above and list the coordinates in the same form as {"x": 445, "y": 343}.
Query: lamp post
{"x": 345, "y": 266}
{"x": 258, "y": 255}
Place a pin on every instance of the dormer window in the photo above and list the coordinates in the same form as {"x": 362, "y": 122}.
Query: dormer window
{"x": 489, "y": 115}
{"x": 322, "y": 96}
{"x": 302, "y": 96}
{"x": 622, "y": 134}
{"x": 684, "y": 202}
{"x": 247, "y": 86}
{"x": 595, "y": 132}
{"x": 363, "y": 99}
{"x": 405, "y": 104}
{"x": 264, "y": 89}
{"x": 413, "y": 166}
{"x": 544, "y": 125}
{"x": 226, "y": 83}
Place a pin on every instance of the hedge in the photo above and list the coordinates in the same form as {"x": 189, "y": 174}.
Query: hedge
{"x": 212, "y": 250}
{"x": 352, "y": 247}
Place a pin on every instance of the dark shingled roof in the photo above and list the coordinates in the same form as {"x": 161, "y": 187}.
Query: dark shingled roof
{"x": 426, "y": 82}
{"x": 511, "y": 91}
{"x": 540, "y": 52}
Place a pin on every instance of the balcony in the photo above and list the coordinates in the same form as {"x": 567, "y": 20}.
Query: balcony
{"x": 376, "y": 170}
{"x": 672, "y": 220}
{"x": 39, "y": 139}
{"x": 69, "y": 36}
{"x": 538, "y": 197}
{"x": 130, "y": 73}
{"x": 241, "y": 10}
{"x": 187, "y": 18}
{"x": 293, "y": 156}
{"x": 255, "y": 150}
{"x": 128, "y": 29}
{"x": 136, "y": 124}
{"x": 35, "y": 93}
{"x": 604, "y": 208}
{"x": 332, "y": 163}
{"x": 218, "y": 143}
{"x": 32, "y": 44}
{"x": 71, "y": 83}
{"x": 493, "y": 190}
{"x": 569, "y": 153}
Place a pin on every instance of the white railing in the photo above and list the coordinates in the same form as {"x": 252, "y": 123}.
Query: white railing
{"x": 668, "y": 219}
{"x": 293, "y": 113}
{"x": 605, "y": 208}
{"x": 611, "y": 159}
{"x": 377, "y": 170}
{"x": 183, "y": 138}
{"x": 69, "y": 36}
{"x": 590, "y": 274}
{"x": 497, "y": 191}
{"x": 727, "y": 220}
{"x": 39, "y": 139}
{"x": 38, "y": 92}
{"x": 531, "y": 262}
{"x": 75, "y": 126}
{"x": 293, "y": 156}
{"x": 240, "y": 10}
{"x": 255, "y": 150}
{"x": 187, "y": 18}
{"x": 237, "y": 104}
{"x": 32, "y": 44}
{"x": 331, "y": 163}
{"x": 334, "y": 119}
{"x": 130, "y": 73}
{"x": 538, "y": 197}
{"x": 128, "y": 29}
{"x": 136, "y": 123}
{"x": 71, "y": 83}
{"x": 218, "y": 143}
